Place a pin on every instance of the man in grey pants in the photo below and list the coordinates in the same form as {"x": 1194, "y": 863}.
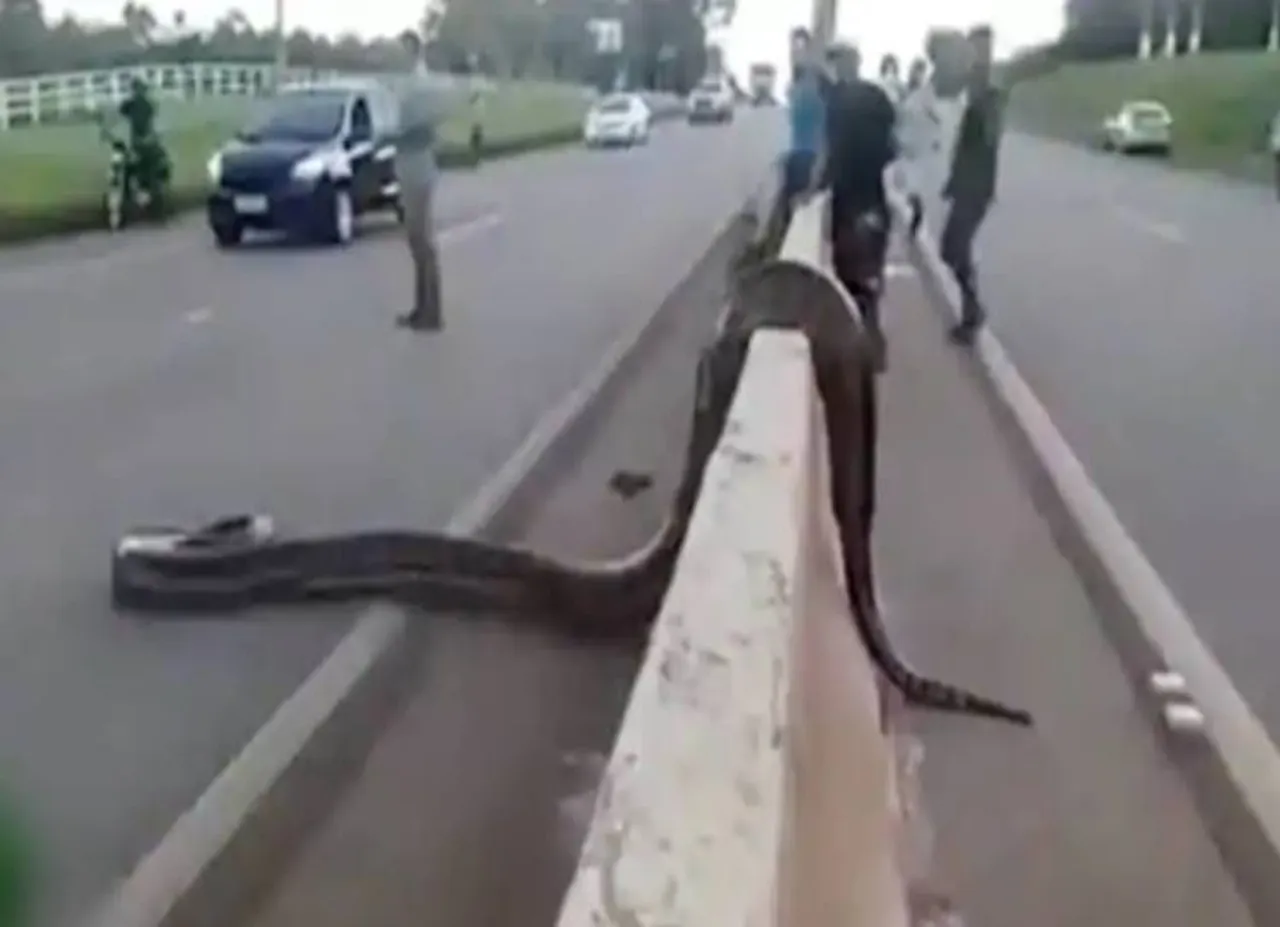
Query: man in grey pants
{"x": 417, "y": 173}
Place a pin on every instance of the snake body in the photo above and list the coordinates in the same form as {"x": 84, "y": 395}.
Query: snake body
{"x": 619, "y": 597}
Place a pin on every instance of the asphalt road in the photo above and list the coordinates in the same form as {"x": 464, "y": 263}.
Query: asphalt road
{"x": 1141, "y": 305}
{"x": 152, "y": 379}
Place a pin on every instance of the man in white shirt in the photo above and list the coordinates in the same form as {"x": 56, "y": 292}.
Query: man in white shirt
{"x": 417, "y": 172}
{"x": 919, "y": 137}
{"x": 891, "y": 78}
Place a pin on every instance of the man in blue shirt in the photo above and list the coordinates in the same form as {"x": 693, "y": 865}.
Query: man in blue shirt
{"x": 807, "y": 117}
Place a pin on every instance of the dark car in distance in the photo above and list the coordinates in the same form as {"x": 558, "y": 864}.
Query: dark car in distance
{"x": 315, "y": 159}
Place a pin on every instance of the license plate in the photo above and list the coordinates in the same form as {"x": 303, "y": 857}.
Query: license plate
{"x": 250, "y": 205}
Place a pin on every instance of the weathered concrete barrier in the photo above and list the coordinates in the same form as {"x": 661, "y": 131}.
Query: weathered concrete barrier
{"x": 752, "y": 782}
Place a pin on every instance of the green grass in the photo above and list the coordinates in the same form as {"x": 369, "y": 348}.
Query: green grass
{"x": 1222, "y": 105}
{"x": 53, "y": 175}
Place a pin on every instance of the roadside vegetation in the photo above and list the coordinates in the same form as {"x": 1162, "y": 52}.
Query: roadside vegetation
{"x": 1222, "y": 104}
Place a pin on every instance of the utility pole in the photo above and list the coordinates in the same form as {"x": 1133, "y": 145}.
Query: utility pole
{"x": 1273, "y": 33}
{"x": 1144, "y": 37}
{"x": 1170, "y": 29}
{"x": 282, "y": 45}
{"x": 824, "y": 22}
{"x": 1197, "y": 27}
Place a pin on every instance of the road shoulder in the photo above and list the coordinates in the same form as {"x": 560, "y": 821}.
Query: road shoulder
{"x": 1082, "y": 819}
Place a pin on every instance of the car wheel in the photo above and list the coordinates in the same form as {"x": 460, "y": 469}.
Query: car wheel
{"x": 340, "y": 223}
{"x": 227, "y": 233}
{"x": 113, "y": 209}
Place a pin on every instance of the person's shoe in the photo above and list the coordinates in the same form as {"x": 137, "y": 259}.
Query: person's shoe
{"x": 416, "y": 322}
{"x": 963, "y": 333}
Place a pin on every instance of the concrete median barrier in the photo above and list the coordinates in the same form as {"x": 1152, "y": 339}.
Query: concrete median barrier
{"x": 753, "y": 777}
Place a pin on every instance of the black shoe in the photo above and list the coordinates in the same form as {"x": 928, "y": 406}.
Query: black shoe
{"x": 416, "y": 322}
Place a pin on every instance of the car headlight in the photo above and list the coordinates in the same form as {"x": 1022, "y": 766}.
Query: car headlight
{"x": 329, "y": 162}
{"x": 311, "y": 167}
{"x": 215, "y": 168}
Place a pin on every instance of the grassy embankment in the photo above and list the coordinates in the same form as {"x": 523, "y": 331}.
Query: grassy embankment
{"x": 53, "y": 176}
{"x": 1222, "y": 104}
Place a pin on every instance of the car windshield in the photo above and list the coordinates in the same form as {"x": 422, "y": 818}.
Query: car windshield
{"x": 303, "y": 117}
{"x": 1148, "y": 112}
{"x": 709, "y": 86}
{"x": 615, "y": 106}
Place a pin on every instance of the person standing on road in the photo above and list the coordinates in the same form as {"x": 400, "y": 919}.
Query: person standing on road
{"x": 417, "y": 172}
{"x": 805, "y": 99}
{"x": 891, "y": 78}
{"x": 476, "y": 140}
{"x": 918, "y": 138}
{"x": 971, "y": 186}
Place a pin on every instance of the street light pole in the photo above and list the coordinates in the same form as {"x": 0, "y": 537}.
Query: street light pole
{"x": 824, "y": 22}
{"x": 1144, "y": 37}
{"x": 282, "y": 45}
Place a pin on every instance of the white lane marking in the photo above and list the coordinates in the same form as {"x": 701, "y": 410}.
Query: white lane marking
{"x": 55, "y": 270}
{"x": 451, "y": 235}
{"x": 899, "y": 271}
{"x": 1165, "y": 231}
{"x": 164, "y": 245}
{"x": 195, "y": 840}
{"x": 1237, "y": 735}
{"x": 470, "y": 228}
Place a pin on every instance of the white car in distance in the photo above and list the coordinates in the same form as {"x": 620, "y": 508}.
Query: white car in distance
{"x": 711, "y": 101}
{"x": 618, "y": 119}
{"x": 1139, "y": 126}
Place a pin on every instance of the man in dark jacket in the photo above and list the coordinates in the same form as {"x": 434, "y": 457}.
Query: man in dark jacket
{"x": 860, "y": 145}
{"x": 971, "y": 186}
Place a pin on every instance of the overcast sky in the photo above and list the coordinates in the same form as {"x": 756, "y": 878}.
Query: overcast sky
{"x": 759, "y": 33}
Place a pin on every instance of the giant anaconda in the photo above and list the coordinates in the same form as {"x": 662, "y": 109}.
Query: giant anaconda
{"x": 619, "y": 597}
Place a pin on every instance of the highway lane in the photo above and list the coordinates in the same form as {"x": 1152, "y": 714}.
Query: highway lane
{"x": 155, "y": 379}
{"x": 1141, "y": 304}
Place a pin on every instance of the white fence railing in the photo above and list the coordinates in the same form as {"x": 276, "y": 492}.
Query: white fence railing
{"x": 65, "y": 97}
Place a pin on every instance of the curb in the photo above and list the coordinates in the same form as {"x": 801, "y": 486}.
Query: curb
{"x": 1234, "y": 770}
{"x": 225, "y": 853}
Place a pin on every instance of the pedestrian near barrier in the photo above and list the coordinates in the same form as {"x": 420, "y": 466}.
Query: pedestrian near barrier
{"x": 971, "y": 186}
{"x": 919, "y": 136}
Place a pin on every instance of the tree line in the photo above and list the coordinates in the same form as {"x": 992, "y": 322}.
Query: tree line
{"x": 662, "y": 43}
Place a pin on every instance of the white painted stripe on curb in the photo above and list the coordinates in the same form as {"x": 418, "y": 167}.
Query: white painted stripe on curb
{"x": 164, "y": 875}
{"x": 1246, "y": 749}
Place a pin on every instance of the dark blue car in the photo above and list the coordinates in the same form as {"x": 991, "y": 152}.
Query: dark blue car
{"x": 315, "y": 159}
